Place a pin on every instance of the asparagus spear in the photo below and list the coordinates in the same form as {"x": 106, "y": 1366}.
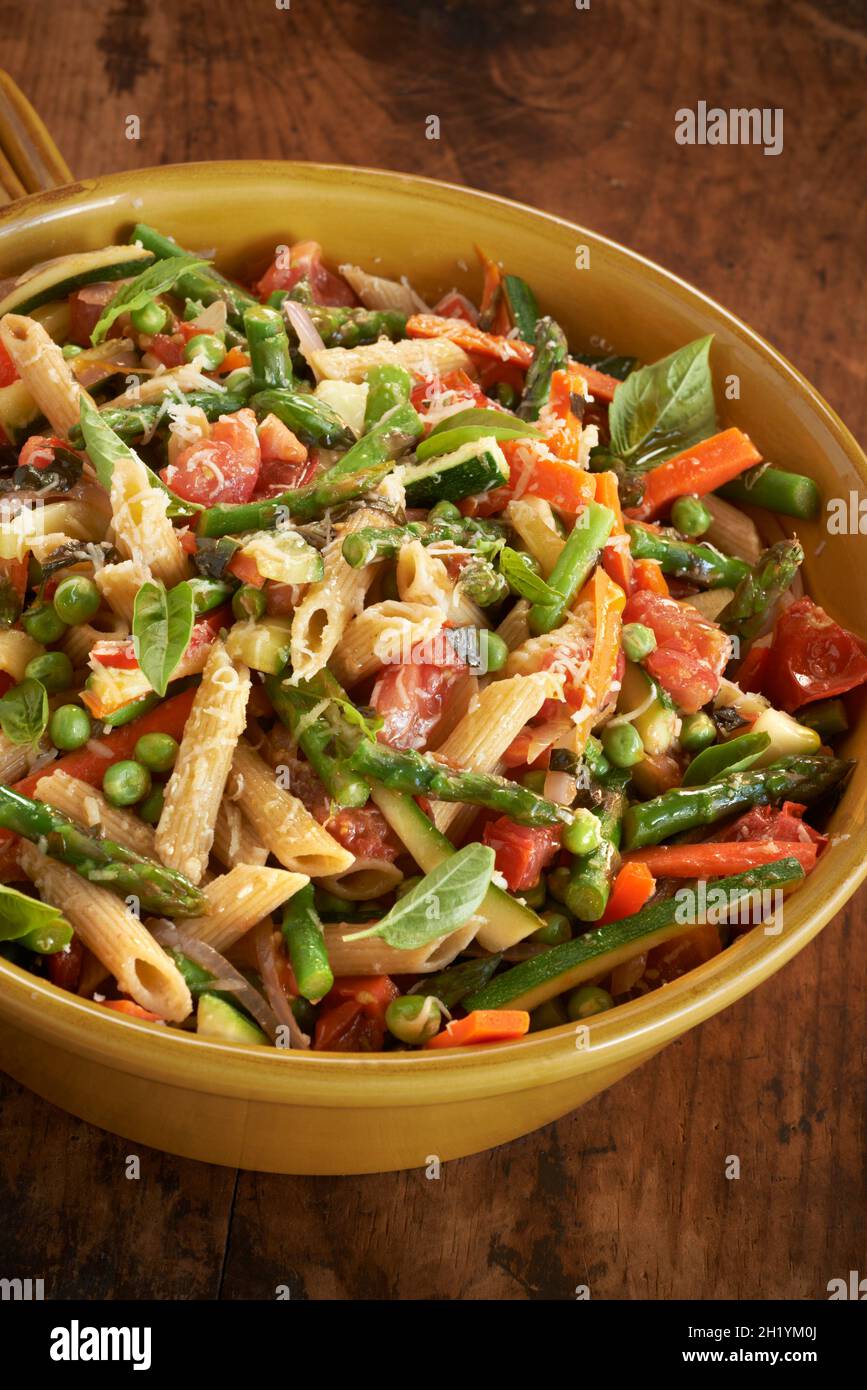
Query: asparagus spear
{"x": 419, "y": 773}
{"x": 101, "y": 861}
{"x": 387, "y": 386}
{"x": 310, "y": 419}
{"x": 760, "y": 588}
{"x": 551, "y": 354}
{"x": 133, "y": 422}
{"x": 308, "y": 503}
{"x": 371, "y": 543}
{"x": 205, "y": 285}
{"x": 452, "y": 984}
{"x": 305, "y": 942}
{"x": 790, "y": 493}
{"x": 701, "y": 564}
{"x": 573, "y": 565}
{"x": 590, "y": 877}
{"x": 271, "y": 364}
{"x": 682, "y": 808}
{"x": 386, "y": 439}
{"x": 349, "y": 328}
{"x": 292, "y": 705}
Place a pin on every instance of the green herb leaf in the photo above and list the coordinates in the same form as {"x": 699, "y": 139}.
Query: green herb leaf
{"x": 445, "y": 899}
{"x": 161, "y": 624}
{"x": 663, "y": 408}
{"x": 157, "y": 279}
{"x": 105, "y": 449}
{"x": 24, "y": 712}
{"x": 517, "y": 568}
{"x": 36, "y": 925}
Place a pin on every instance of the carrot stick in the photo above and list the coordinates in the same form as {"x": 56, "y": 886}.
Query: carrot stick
{"x": 608, "y": 601}
{"x": 633, "y": 886}
{"x": 599, "y": 384}
{"x": 647, "y": 574}
{"x": 703, "y": 468}
{"x": 717, "y": 858}
{"x": 616, "y": 559}
{"x": 470, "y": 338}
{"x": 493, "y": 303}
{"x": 483, "y": 1026}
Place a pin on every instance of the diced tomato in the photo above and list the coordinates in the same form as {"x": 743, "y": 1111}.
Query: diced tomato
{"x": 278, "y": 444}
{"x": 410, "y": 696}
{"x": 119, "y": 654}
{"x": 364, "y": 831}
{"x": 521, "y": 851}
{"x": 352, "y": 1018}
{"x": 222, "y": 468}
{"x": 782, "y": 823}
{"x": 373, "y": 992}
{"x": 8, "y": 370}
{"x": 64, "y": 967}
{"x": 38, "y": 451}
{"x": 304, "y": 261}
{"x": 280, "y": 599}
{"x": 691, "y": 651}
{"x": 811, "y": 658}
{"x": 85, "y": 309}
{"x": 244, "y": 567}
{"x": 455, "y": 305}
{"x": 168, "y": 348}
{"x": 276, "y": 478}
{"x": 754, "y": 668}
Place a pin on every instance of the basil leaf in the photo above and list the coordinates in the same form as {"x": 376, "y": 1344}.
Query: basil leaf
{"x": 162, "y": 623}
{"x": 483, "y": 416}
{"x": 661, "y": 409}
{"x": 445, "y": 899}
{"x": 517, "y": 568}
{"x": 36, "y": 925}
{"x": 157, "y": 279}
{"x": 24, "y": 712}
{"x": 105, "y": 449}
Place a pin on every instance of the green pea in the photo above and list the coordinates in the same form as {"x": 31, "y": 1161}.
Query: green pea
{"x": 248, "y": 602}
{"x": 535, "y": 897}
{"x": 150, "y": 318}
{"x": 407, "y": 884}
{"x": 622, "y": 745}
{"x": 71, "y": 350}
{"x": 587, "y": 1000}
{"x": 52, "y": 669}
{"x": 584, "y": 834}
{"x": 697, "y": 731}
{"x": 208, "y": 348}
{"x": 43, "y": 623}
{"x": 444, "y": 511}
{"x": 556, "y": 930}
{"x": 495, "y": 651}
{"x": 690, "y": 516}
{"x": 558, "y": 882}
{"x": 156, "y": 752}
{"x": 126, "y": 782}
{"x": 151, "y": 808}
{"x": 69, "y": 728}
{"x": 413, "y": 1018}
{"x": 76, "y": 599}
{"x": 551, "y": 1014}
{"x": 534, "y": 781}
{"x": 637, "y": 641}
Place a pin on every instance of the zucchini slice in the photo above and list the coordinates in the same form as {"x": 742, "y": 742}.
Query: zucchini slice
{"x": 476, "y": 467}
{"x": 507, "y": 921}
{"x": 58, "y": 278}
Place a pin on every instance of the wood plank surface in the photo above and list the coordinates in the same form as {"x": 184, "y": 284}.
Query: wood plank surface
{"x": 572, "y": 111}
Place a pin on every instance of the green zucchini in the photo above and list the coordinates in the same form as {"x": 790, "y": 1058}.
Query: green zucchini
{"x": 658, "y": 723}
{"x": 476, "y": 467}
{"x": 506, "y": 919}
{"x": 596, "y": 953}
{"x": 57, "y": 278}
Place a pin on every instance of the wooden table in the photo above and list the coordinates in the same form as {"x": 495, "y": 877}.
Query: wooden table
{"x": 572, "y": 111}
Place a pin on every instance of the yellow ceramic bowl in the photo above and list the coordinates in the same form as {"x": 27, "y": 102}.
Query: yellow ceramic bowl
{"x": 317, "y": 1113}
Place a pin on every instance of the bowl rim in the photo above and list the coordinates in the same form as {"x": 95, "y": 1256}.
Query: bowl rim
{"x": 640, "y": 1027}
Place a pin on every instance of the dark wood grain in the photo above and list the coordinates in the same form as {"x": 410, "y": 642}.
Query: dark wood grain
{"x": 572, "y": 111}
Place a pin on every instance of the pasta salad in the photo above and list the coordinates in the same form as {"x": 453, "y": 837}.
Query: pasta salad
{"x": 378, "y": 675}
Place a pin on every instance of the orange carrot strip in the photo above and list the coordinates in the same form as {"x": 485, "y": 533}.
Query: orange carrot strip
{"x": 608, "y": 601}
{"x": 470, "y": 338}
{"x": 616, "y": 559}
{"x": 599, "y": 384}
{"x": 647, "y": 574}
{"x": 727, "y": 857}
{"x": 128, "y": 1006}
{"x": 234, "y": 358}
{"x": 483, "y": 1026}
{"x": 633, "y": 886}
{"x": 703, "y": 468}
{"x": 493, "y": 301}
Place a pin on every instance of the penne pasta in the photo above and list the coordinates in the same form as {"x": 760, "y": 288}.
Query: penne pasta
{"x": 114, "y": 934}
{"x": 282, "y": 821}
{"x": 423, "y": 578}
{"x": 240, "y": 899}
{"x": 372, "y": 956}
{"x": 235, "y": 840}
{"x": 194, "y": 791}
{"x": 363, "y": 880}
{"x": 321, "y": 619}
{"x": 431, "y": 357}
{"x": 16, "y": 649}
{"x": 119, "y": 585}
{"x": 44, "y": 371}
{"x": 87, "y": 805}
{"x": 534, "y": 521}
{"x": 381, "y": 635}
{"x": 142, "y": 529}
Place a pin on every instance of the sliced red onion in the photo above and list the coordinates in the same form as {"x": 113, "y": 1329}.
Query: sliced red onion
{"x": 226, "y": 977}
{"x": 266, "y": 956}
{"x": 309, "y": 339}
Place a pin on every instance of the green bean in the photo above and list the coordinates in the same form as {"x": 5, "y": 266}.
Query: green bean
{"x": 268, "y": 346}
{"x": 792, "y": 494}
{"x": 573, "y": 565}
{"x": 305, "y": 942}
